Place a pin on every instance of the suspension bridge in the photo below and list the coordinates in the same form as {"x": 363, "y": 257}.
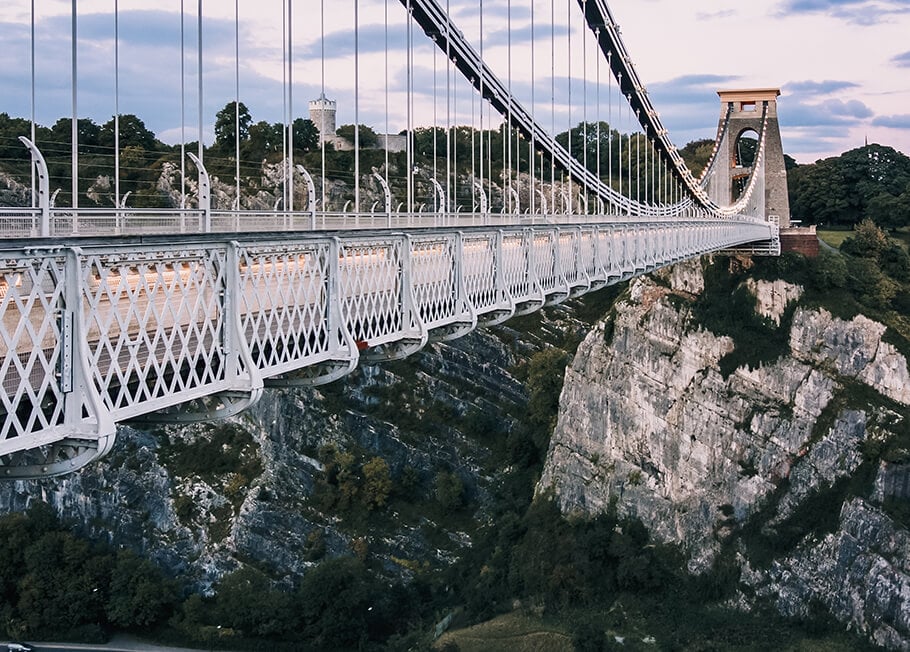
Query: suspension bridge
{"x": 530, "y": 193}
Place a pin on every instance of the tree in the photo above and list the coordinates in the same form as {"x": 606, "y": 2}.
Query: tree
{"x": 88, "y": 133}
{"x": 139, "y": 594}
{"x": 264, "y": 139}
{"x": 337, "y": 601}
{"x": 829, "y": 271}
{"x": 868, "y": 241}
{"x": 696, "y": 154}
{"x": 861, "y": 183}
{"x": 133, "y": 133}
{"x": 874, "y": 288}
{"x": 247, "y": 601}
{"x": 368, "y": 137}
{"x": 377, "y": 483}
{"x": 225, "y": 125}
{"x": 306, "y": 135}
{"x": 449, "y": 491}
{"x": 891, "y": 211}
{"x": 588, "y": 637}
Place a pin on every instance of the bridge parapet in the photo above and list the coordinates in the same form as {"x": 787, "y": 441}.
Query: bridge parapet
{"x": 95, "y": 335}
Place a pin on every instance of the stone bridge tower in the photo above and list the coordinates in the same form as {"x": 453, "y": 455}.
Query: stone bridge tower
{"x": 746, "y": 118}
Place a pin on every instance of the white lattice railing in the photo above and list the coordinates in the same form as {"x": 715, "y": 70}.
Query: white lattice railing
{"x": 99, "y": 334}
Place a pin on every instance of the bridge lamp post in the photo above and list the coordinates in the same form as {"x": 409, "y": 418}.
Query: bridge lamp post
{"x": 543, "y": 201}
{"x": 516, "y": 201}
{"x": 311, "y": 195}
{"x": 39, "y": 166}
{"x": 204, "y": 193}
{"x": 484, "y": 204}
{"x": 440, "y": 200}
{"x": 387, "y": 193}
{"x": 414, "y": 173}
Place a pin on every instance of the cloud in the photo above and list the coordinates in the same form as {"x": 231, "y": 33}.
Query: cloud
{"x": 715, "y": 15}
{"x": 860, "y": 12}
{"x": 822, "y": 115}
{"x": 893, "y": 121}
{"x": 370, "y": 40}
{"x": 826, "y": 87}
{"x": 902, "y": 60}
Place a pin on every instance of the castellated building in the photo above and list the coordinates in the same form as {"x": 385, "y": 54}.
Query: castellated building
{"x": 322, "y": 114}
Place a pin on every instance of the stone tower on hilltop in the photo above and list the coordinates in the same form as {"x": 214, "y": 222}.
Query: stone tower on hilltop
{"x": 322, "y": 113}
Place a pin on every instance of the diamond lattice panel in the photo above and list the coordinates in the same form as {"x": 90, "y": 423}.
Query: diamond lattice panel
{"x": 284, "y": 305}
{"x": 605, "y": 252}
{"x": 515, "y": 267}
{"x": 433, "y": 277}
{"x": 587, "y": 255}
{"x": 544, "y": 260}
{"x": 155, "y": 326}
{"x": 479, "y": 264}
{"x": 31, "y": 299}
{"x": 372, "y": 302}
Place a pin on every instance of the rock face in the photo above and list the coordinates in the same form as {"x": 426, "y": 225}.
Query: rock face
{"x": 648, "y": 424}
{"x": 202, "y": 500}
{"x": 13, "y": 193}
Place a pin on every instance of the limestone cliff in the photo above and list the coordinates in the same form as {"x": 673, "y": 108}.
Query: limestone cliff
{"x": 204, "y": 499}
{"x": 650, "y": 425}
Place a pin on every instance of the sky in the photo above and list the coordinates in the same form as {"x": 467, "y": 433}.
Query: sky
{"x": 843, "y": 66}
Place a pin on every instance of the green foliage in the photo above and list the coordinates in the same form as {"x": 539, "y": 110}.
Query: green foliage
{"x": 56, "y": 585}
{"x": 367, "y": 137}
{"x": 727, "y": 307}
{"x": 878, "y": 272}
{"x": 315, "y": 545}
{"x": 137, "y": 596}
{"x": 348, "y": 483}
{"x": 829, "y": 271}
{"x": 899, "y": 510}
{"x": 867, "y": 182}
{"x": 306, "y": 135}
{"x": 589, "y": 637}
{"x": 247, "y": 602}
{"x": 545, "y": 372}
{"x": 377, "y": 482}
{"x": 868, "y": 241}
{"x": 697, "y": 153}
{"x": 544, "y": 557}
{"x": 342, "y": 606}
{"x": 872, "y": 287}
{"x": 226, "y": 125}
{"x": 220, "y": 450}
{"x": 448, "y": 489}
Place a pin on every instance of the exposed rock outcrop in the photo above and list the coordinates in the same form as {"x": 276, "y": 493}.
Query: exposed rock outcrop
{"x": 203, "y": 499}
{"x": 648, "y": 424}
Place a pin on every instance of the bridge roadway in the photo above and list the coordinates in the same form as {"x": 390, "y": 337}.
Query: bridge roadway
{"x": 94, "y": 332}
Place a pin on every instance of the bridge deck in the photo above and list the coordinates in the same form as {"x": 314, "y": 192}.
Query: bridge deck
{"x": 95, "y": 333}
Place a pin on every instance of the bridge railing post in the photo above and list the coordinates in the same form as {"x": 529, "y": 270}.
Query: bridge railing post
{"x": 241, "y": 367}
{"x": 75, "y": 374}
{"x": 341, "y": 339}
